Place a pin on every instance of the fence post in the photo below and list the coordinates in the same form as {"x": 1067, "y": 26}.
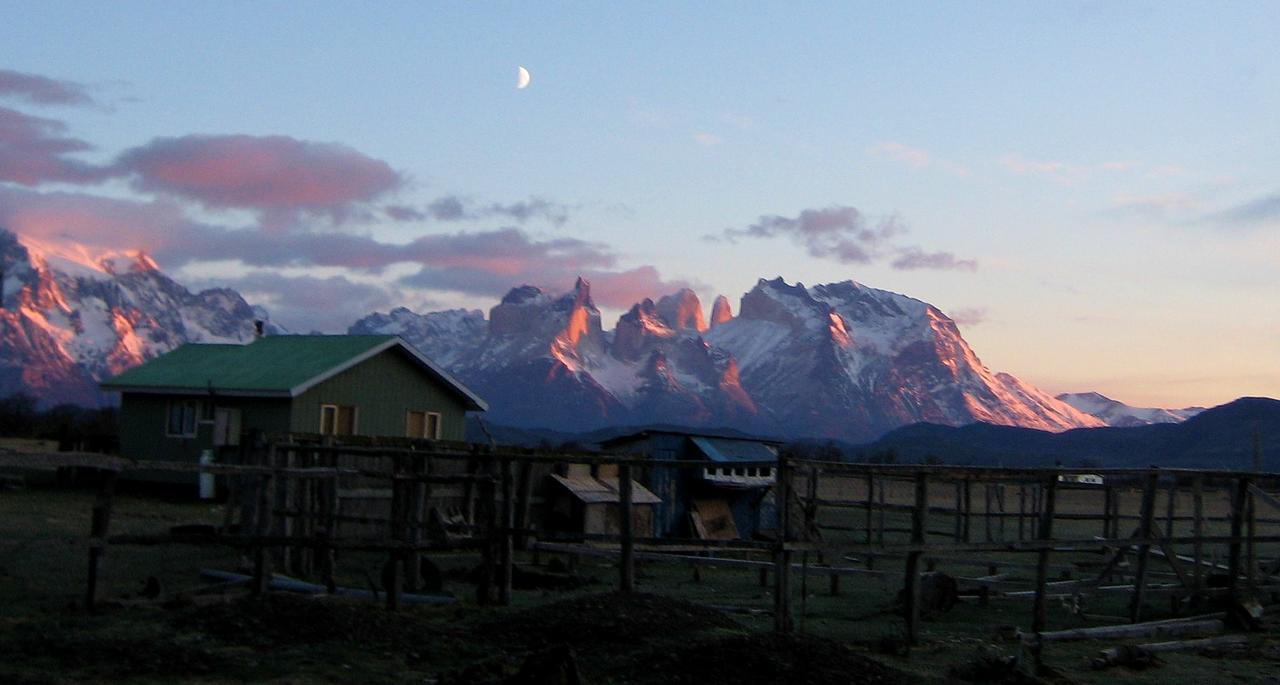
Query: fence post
{"x": 393, "y": 576}
{"x": 524, "y": 486}
{"x": 484, "y": 589}
{"x": 911, "y": 582}
{"x": 1108, "y": 499}
{"x": 958, "y": 535}
{"x": 986, "y": 506}
{"x": 782, "y": 555}
{"x": 1145, "y": 529}
{"x": 968, "y": 510}
{"x": 1022, "y": 511}
{"x": 98, "y": 529}
{"x": 871, "y": 504}
{"x": 1251, "y": 520}
{"x": 505, "y": 551}
{"x": 262, "y": 528}
{"x": 626, "y": 520}
{"x": 880, "y": 518}
{"x": 1197, "y": 530}
{"x": 1237, "y": 530}
{"x": 1044, "y": 532}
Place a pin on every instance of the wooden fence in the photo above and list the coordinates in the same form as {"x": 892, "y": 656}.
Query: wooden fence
{"x": 284, "y": 508}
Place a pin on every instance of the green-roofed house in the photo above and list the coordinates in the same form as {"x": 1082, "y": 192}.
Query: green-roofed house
{"x": 202, "y": 397}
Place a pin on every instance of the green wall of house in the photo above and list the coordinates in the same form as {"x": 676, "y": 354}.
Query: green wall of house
{"x": 144, "y": 423}
{"x": 383, "y": 389}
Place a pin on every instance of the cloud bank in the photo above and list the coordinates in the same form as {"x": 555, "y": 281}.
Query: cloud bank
{"x": 844, "y": 234}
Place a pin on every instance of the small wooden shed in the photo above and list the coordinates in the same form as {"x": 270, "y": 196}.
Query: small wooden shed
{"x": 585, "y": 503}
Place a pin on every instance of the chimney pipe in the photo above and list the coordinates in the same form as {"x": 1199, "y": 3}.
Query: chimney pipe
{"x": 257, "y": 328}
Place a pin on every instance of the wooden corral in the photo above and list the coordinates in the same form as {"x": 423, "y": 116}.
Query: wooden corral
{"x": 1189, "y": 536}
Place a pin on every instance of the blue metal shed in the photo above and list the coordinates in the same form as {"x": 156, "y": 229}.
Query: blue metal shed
{"x": 718, "y": 473}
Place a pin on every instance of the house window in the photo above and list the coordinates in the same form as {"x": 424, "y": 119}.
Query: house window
{"x": 181, "y": 421}
{"x": 423, "y": 424}
{"x": 337, "y": 419}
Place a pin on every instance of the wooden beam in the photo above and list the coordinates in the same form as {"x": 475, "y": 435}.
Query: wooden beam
{"x": 1145, "y": 530}
{"x": 782, "y": 622}
{"x": 911, "y": 584}
{"x": 1240, "y": 494}
{"x": 1045, "y": 532}
{"x": 98, "y": 529}
{"x": 627, "y": 571}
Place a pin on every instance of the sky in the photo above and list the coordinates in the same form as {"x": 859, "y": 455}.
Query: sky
{"x": 1091, "y": 189}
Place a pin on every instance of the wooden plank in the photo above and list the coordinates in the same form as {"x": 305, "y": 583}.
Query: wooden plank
{"x": 393, "y": 575}
{"x": 1045, "y": 532}
{"x": 98, "y": 530}
{"x": 1251, "y": 533}
{"x": 782, "y": 622}
{"x": 1145, "y": 530}
{"x": 1132, "y": 630}
{"x": 871, "y": 490}
{"x": 626, "y": 513}
{"x": 262, "y": 525}
{"x": 911, "y": 583}
{"x": 958, "y": 535}
{"x": 1240, "y": 494}
{"x": 1169, "y": 555}
{"x": 1197, "y": 530}
{"x": 506, "y": 552}
{"x": 524, "y": 486}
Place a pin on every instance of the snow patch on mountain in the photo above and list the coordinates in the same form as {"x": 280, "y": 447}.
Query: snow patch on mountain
{"x": 1116, "y": 413}
{"x": 72, "y": 317}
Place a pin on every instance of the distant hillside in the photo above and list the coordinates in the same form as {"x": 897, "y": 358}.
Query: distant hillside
{"x": 1221, "y": 437}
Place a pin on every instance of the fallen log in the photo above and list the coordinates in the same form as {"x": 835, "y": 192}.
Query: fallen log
{"x": 1150, "y": 629}
{"x": 1126, "y": 654}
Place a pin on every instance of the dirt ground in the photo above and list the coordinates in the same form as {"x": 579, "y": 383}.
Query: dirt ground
{"x": 669, "y": 632}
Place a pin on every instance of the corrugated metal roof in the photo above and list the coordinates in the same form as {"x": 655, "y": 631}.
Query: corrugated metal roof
{"x": 722, "y": 450}
{"x": 592, "y": 490}
{"x": 272, "y": 366}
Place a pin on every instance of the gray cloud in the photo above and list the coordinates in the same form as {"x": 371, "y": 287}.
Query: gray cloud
{"x": 42, "y": 90}
{"x": 306, "y": 303}
{"x": 34, "y": 150}
{"x": 969, "y": 316}
{"x": 914, "y": 258}
{"x": 844, "y": 234}
{"x": 1261, "y": 210}
{"x": 479, "y": 263}
{"x": 457, "y": 208}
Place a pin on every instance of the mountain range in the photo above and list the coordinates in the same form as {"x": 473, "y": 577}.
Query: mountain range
{"x": 1229, "y": 436}
{"x": 69, "y": 319}
{"x": 841, "y": 360}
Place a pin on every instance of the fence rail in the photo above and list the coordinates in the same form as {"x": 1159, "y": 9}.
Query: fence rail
{"x": 285, "y": 497}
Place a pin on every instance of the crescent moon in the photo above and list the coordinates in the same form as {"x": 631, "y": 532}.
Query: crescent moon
{"x": 522, "y": 78}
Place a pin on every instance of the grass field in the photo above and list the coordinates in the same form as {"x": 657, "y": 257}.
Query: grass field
{"x": 45, "y": 636}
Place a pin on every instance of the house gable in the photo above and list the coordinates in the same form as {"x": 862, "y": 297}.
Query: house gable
{"x": 383, "y": 389}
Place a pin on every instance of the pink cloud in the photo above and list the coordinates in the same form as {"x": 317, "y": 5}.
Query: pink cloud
{"x": 42, "y": 90}
{"x": 275, "y": 174}
{"x": 903, "y": 154}
{"x": 480, "y": 262}
{"x": 621, "y": 289}
{"x": 34, "y": 150}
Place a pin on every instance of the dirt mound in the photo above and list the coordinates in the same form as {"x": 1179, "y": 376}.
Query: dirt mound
{"x": 769, "y": 658}
{"x": 102, "y": 657}
{"x": 609, "y": 618}
{"x": 281, "y": 619}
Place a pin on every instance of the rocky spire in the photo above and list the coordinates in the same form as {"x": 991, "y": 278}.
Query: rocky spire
{"x": 682, "y": 311}
{"x": 720, "y": 311}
